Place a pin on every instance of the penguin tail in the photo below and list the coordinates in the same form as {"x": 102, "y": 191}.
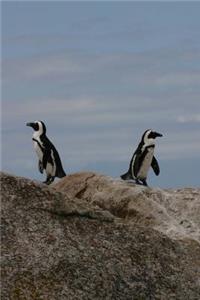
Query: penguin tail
{"x": 61, "y": 174}
{"x": 126, "y": 176}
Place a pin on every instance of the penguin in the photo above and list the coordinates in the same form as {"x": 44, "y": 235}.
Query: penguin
{"x": 49, "y": 159}
{"x": 143, "y": 158}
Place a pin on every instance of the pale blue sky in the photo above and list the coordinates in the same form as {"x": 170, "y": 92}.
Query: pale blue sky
{"x": 99, "y": 74}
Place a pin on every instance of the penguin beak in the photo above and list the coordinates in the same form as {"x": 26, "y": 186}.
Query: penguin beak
{"x": 156, "y": 134}
{"x": 31, "y": 124}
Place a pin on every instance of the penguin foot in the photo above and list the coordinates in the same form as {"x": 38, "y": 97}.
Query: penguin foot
{"x": 141, "y": 182}
{"x": 144, "y": 182}
{"x": 49, "y": 180}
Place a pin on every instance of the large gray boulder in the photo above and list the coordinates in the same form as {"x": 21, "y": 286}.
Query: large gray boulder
{"x": 92, "y": 237}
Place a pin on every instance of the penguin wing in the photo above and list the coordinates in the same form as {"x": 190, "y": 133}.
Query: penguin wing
{"x": 155, "y": 166}
{"x": 47, "y": 146}
{"x": 40, "y": 166}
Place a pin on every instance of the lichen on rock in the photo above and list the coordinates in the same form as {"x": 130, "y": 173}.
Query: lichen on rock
{"x": 93, "y": 237}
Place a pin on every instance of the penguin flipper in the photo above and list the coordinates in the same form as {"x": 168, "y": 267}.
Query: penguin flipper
{"x": 155, "y": 166}
{"x": 126, "y": 176}
{"x": 40, "y": 166}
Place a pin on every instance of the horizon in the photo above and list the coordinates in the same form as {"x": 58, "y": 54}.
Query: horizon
{"x": 99, "y": 74}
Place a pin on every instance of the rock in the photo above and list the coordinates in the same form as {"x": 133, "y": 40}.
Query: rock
{"x": 92, "y": 237}
{"x": 173, "y": 212}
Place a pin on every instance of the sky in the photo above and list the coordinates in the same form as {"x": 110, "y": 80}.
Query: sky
{"x": 99, "y": 74}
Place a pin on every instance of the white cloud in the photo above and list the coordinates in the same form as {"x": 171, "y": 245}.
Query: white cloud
{"x": 40, "y": 67}
{"x": 179, "y": 79}
{"x": 180, "y": 143}
{"x": 47, "y": 107}
{"x": 193, "y": 118}
{"x": 147, "y": 69}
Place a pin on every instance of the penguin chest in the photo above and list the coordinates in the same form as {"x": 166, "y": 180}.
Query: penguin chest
{"x": 38, "y": 149}
{"x": 146, "y": 163}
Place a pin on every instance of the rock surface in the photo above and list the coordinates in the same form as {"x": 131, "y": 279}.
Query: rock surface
{"x": 92, "y": 237}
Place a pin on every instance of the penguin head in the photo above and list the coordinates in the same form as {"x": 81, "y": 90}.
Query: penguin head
{"x": 37, "y": 126}
{"x": 149, "y": 136}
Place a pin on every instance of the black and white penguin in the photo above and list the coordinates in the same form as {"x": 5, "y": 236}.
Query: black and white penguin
{"x": 49, "y": 159}
{"x": 143, "y": 158}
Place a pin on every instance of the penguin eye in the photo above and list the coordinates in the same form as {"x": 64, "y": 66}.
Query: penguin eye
{"x": 36, "y": 126}
{"x": 151, "y": 135}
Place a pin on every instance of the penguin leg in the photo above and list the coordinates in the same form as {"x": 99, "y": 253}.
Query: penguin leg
{"x": 141, "y": 182}
{"x": 49, "y": 180}
{"x": 137, "y": 181}
{"x": 46, "y": 181}
{"x": 52, "y": 179}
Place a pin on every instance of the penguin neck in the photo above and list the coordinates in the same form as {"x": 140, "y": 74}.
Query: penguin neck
{"x": 37, "y": 134}
{"x": 148, "y": 144}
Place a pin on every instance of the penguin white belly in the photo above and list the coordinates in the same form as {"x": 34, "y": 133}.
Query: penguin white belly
{"x": 38, "y": 150}
{"x": 49, "y": 169}
{"x": 142, "y": 174}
